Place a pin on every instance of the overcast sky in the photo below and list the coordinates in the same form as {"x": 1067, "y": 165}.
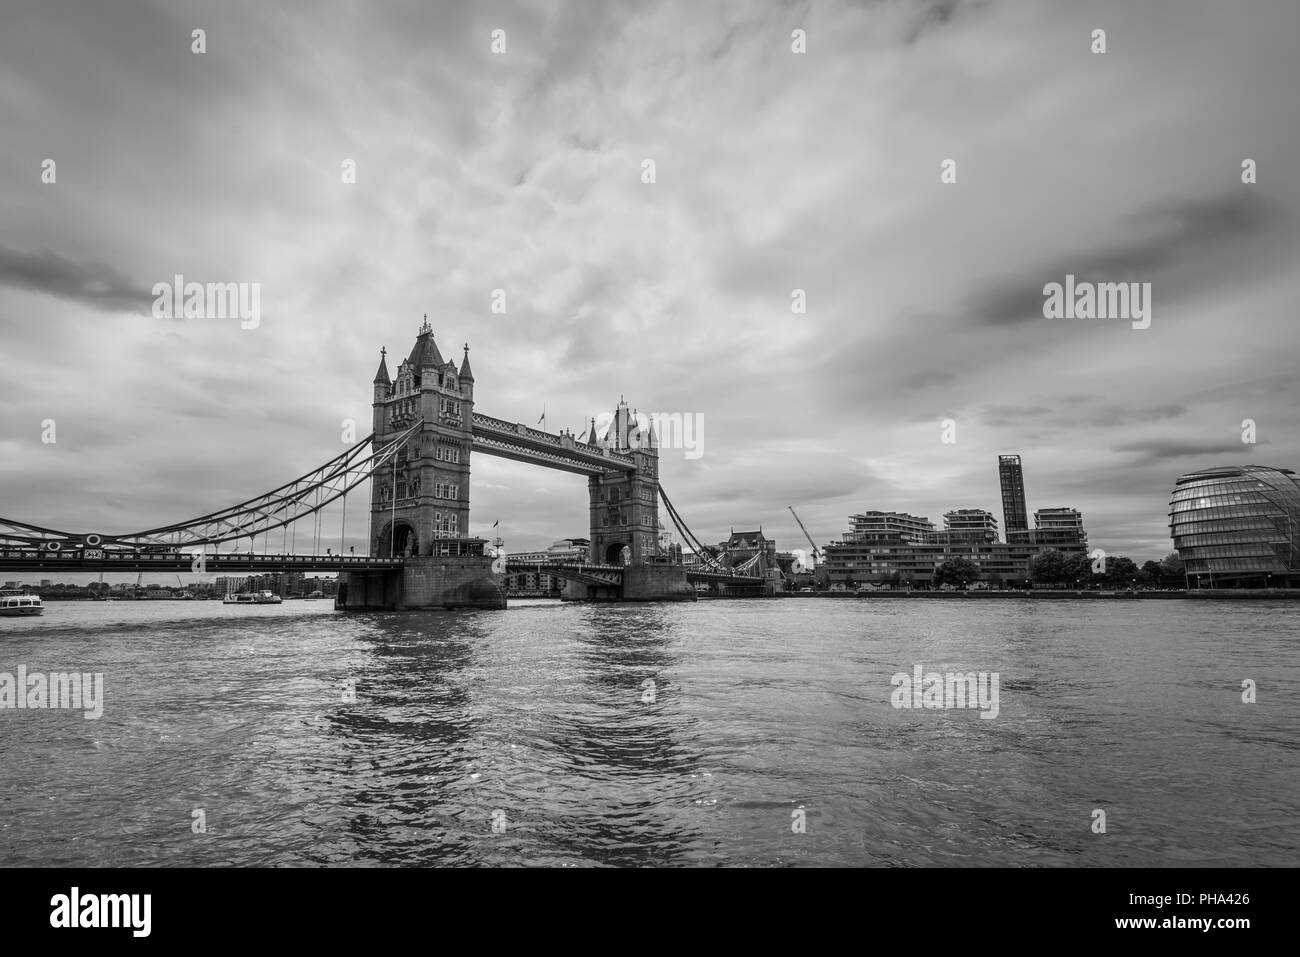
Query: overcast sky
{"x": 775, "y": 171}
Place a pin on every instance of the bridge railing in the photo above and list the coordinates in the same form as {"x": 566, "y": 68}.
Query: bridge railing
{"x": 524, "y": 565}
{"x": 515, "y": 428}
{"x": 132, "y": 557}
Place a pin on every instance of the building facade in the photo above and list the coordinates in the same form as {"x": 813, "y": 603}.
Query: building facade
{"x": 1060, "y": 528}
{"x": 893, "y": 560}
{"x": 1237, "y": 526}
{"x": 977, "y": 523}
{"x": 542, "y": 582}
{"x": 740, "y": 547}
{"x": 874, "y": 524}
{"x": 1011, "y": 478}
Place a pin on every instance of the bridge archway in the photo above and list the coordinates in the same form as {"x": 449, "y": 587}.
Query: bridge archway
{"x": 618, "y": 553}
{"x": 407, "y": 538}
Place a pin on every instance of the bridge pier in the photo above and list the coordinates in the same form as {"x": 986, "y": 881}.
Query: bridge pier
{"x": 641, "y": 582}
{"x": 424, "y": 582}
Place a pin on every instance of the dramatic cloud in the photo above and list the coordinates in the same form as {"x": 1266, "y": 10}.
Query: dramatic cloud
{"x": 94, "y": 284}
{"x": 1194, "y": 234}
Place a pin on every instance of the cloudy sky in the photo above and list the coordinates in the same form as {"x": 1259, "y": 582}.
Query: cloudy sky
{"x": 774, "y": 171}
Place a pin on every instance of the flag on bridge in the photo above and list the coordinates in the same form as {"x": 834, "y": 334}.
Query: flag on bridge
{"x": 496, "y": 523}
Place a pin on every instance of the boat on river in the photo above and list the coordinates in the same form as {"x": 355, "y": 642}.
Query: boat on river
{"x": 252, "y": 598}
{"x": 20, "y": 606}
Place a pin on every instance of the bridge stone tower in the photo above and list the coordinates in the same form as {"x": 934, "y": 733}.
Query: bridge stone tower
{"x": 625, "y": 504}
{"x": 419, "y": 507}
{"x": 420, "y": 504}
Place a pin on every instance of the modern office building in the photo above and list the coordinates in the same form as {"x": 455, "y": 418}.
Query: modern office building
{"x": 1061, "y": 518}
{"x": 974, "y": 524}
{"x": 897, "y": 547}
{"x": 889, "y": 560}
{"x": 1237, "y": 526}
{"x": 1060, "y": 528}
{"x": 871, "y": 525}
{"x": 1015, "y": 515}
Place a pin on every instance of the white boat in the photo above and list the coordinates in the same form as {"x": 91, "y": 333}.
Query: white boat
{"x": 252, "y": 598}
{"x": 13, "y": 606}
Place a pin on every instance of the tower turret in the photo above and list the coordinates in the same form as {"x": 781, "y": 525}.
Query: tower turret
{"x": 467, "y": 376}
{"x": 383, "y": 388}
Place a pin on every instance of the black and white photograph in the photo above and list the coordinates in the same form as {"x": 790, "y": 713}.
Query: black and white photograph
{"x": 855, "y": 435}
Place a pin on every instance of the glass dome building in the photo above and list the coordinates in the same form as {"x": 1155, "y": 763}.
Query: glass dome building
{"x": 1237, "y": 527}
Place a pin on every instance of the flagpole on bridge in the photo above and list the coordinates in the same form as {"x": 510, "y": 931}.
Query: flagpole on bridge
{"x": 392, "y": 519}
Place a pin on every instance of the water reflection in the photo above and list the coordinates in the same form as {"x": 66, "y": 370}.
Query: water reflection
{"x": 405, "y": 744}
{"x": 630, "y": 739}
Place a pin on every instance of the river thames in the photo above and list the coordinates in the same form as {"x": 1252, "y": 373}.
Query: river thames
{"x": 740, "y": 733}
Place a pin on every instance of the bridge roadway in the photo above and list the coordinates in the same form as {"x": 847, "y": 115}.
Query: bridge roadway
{"x": 170, "y": 562}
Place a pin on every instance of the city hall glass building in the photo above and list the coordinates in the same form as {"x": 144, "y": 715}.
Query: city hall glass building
{"x": 1237, "y": 527}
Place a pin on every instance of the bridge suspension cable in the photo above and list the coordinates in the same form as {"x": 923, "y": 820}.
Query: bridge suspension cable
{"x": 305, "y": 495}
{"x": 749, "y": 567}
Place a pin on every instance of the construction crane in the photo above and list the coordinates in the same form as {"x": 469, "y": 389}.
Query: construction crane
{"x": 816, "y": 552}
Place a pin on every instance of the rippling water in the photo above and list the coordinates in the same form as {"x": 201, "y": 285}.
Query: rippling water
{"x": 535, "y": 716}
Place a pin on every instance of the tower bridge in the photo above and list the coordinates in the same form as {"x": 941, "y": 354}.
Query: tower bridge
{"x": 421, "y": 555}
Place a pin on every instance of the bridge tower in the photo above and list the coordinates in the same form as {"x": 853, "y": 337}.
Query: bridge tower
{"x": 625, "y": 504}
{"x": 420, "y": 505}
